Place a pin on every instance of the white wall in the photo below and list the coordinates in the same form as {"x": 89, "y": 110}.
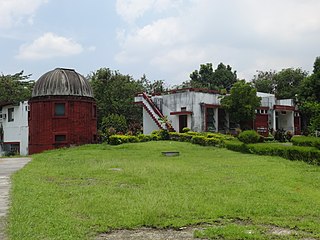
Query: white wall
{"x": 17, "y": 130}
{"x": 192, "y": 102}
{"x": 148, "y": 123}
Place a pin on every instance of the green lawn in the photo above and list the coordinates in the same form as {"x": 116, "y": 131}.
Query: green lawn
{"x": 79, "y": 192}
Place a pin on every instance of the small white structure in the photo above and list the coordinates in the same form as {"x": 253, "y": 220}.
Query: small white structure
{"x": 200, "y": 110}
{"x": 14, "y": 130}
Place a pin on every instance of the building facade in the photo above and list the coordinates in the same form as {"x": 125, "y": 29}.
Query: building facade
{"x": 14, "y": 129}
{"x": 61, "y": 113}
{"x": 200, "y": 110}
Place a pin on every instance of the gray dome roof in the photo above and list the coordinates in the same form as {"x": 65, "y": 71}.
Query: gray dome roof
{"x": 62, "y": 82}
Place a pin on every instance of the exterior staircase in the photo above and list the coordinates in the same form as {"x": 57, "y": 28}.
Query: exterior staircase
{"x": 153, "y": 111}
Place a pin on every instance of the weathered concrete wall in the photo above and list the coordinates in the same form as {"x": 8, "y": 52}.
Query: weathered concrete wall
{"x": 16, "y": 130}
{"x": 148, "y": 123}
{"x": 191, "y": 101}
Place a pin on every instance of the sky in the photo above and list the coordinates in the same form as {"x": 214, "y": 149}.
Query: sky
{"x": 163, "y": 39}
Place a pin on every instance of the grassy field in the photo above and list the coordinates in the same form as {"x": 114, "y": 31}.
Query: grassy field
{"x": 78, "y": 193}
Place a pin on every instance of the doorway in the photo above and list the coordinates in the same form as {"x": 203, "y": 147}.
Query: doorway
{"x": 183, "y": 122}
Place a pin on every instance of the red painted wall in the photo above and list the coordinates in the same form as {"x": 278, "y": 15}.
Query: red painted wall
{"x": 79, "y": 124}
{"x": 261, "y": 124}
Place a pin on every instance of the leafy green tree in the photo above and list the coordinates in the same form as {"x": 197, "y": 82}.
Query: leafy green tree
{"x": 118, "y": 122}
{"x": 264, "y": 81}
{"x": 202, "y": 78}
{"x": 15, "y": 88}
{"x": 156, "y": 86}
{"x": 283, "y": 84}
{"x": 309, "y": 99}
{"x": 311, "y": 114}
{"x": 242, "y": 102}
{"x": 222, "y": 78}
{"x": 114, "y": 93}
{"x": 287, "y": 82}
{"x": 310, "y": 86}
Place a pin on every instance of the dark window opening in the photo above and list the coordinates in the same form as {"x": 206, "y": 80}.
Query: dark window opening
{"x": 210, "y": 121}
{"x": 183, "y": 109}
{"x": 59, "y": 109}
{"x": 60, "y": 138}
{"x": 10, "y": 114}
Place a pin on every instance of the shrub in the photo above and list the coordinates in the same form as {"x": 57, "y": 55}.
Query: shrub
{"x": 155, "y": 135}
{"x": 306, "y": 141}
{"x": 201, "y": 140}
{"x": 280, "y": 135}
{"x": 212, "y": 141}
{"x": 120, "y": 139}
{"x": 144, "y": 138}
{"x": 185, "y": 130}
{"x": 236, "y": 145}
{"x": 307, "y": 154}
{"x": 164, "y": 134}
{"x": 181, "y": 137}
{"x": 249, "y": 136}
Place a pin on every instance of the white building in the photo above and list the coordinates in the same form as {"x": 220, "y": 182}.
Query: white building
{"x": 200, "y": 111}
{"x": 14, "y": 128}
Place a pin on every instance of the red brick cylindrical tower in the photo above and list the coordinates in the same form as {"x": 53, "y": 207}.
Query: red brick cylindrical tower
{"x": 62, "y": 111}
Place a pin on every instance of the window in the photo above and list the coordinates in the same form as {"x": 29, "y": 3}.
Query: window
{"x": 60, "y": 138}
{"x": 59, "y": 109}
{"x": 10, "y": 114}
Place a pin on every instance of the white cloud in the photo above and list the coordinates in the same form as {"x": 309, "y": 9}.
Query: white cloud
{"x": 48, "y": 46}
{"x": 13, "y": 12}
{"x": 247, "y": 34}
{"x": 130, "y": 10}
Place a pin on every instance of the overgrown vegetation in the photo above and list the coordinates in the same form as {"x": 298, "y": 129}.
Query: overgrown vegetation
{"x": 77, "y": 193}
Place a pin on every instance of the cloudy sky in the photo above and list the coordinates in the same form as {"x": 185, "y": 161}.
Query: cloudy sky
{"x": 164, "y": 39}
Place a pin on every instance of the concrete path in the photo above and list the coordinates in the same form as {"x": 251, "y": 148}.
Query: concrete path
{"x": 7, "y": 167}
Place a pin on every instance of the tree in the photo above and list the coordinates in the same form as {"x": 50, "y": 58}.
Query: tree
{"x": 15, "y": 88}
{"x": 242, "y": 102}
{"x": 202, "y": 78}
{"x": 283, "y": 84}
{"x": 264, "y": 81}
{"x": 222, "y": 78}
{"x": 309, "y": 99}
{"x": 114, "y": 93}
{"x": 287, "y": 82}
{"x": 310, "y": 86}
{"x": 157, "y": 86}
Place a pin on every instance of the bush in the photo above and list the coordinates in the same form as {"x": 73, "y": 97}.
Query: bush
{"x": 201, "y": 140}
{"x": 212, "y": 141}
{"x": 306, "y": 141}
{"x": 181, "y": 137}
{"x": 249, "y": 136}
{"x": 280, "y": 135}
{"x": 144, "y": 138}
{"x": 185, "y": 130}
{"x": 164, "y": 134}
{"x": 236, "y": 145}
{"x": 306, "y": 154}
{"x": 120, "y": 139}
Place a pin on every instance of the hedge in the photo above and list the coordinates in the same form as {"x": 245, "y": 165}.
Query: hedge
{"x": 249, "y": 136}
{"x": 236, "y": 145}
{"x": 120, "y": 139}
{"x": 306, "y": 141}
{"x": 306, "y": 154}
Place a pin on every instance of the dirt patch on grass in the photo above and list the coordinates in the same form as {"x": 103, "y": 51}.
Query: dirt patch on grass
{"x": 187, "y": 233}
{"x": 150, "y": 234}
